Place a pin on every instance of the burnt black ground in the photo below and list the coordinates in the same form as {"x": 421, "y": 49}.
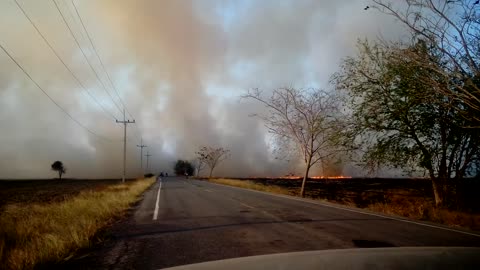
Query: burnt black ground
{"x": 199, "y": 221}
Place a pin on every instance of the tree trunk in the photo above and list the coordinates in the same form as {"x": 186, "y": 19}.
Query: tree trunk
{"x": 437, "y": 192}
{"x": 211, "y": 171}
{"x": 60, "y": 175}
{"x": 305, "y": 177}
{"x": 437, "y": 189}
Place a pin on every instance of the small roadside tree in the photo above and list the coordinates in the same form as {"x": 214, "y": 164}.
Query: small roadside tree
{"x": 58, "y": 167}
{"x": 212, "y": 156}
{"x": 308, "y": 120}
{"x": 182, "y": 166}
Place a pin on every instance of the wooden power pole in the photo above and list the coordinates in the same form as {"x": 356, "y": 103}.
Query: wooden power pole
{"x": 125, "y": 122}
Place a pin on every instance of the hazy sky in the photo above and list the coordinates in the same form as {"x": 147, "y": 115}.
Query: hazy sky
{"x": 179, "y": 66}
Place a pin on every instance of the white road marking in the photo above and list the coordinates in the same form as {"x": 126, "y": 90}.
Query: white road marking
{"x": 352, "y": 210}
{"x": 155, "y": 213}
{"x": 208, "y": 190}
{"x": 246, "y": 205}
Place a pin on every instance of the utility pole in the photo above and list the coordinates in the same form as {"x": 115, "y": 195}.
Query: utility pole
{"x": 141, "y": 153}
{"x": 147, "y": 155}
{"x": 125, "y": 122}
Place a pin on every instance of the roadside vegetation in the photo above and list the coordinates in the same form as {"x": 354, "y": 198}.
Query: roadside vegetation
{"x": 38, "y": 233}
{"x": 400, "y": 197}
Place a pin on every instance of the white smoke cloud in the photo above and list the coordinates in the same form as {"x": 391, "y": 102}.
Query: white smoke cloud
{"x": 178, "y": 65}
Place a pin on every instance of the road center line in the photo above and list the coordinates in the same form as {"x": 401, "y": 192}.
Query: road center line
{"x": 350, "y": 210}
{"x": 155, "y": 213}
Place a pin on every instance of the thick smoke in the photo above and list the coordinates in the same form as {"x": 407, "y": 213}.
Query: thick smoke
{"x": 180, "y": 67}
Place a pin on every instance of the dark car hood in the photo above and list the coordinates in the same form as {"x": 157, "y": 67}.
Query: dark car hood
{"x": 372, "y": 258}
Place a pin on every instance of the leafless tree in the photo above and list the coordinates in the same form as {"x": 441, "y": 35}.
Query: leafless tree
{"x": 212, "y": 156}
{"x": 453, "y": 29}
{"x": 310, "y": 119}
{"x": 199, "y": 164}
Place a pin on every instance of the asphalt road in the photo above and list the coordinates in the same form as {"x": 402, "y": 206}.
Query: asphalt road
{"x": 198, "y": 221}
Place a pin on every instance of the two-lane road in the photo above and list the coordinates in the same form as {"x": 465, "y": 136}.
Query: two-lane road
{"x": 190, "y": 221}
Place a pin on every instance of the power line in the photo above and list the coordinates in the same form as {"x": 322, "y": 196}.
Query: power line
{"x": 102, "y": 65}
{"x": 61, "y": 60}
{"x": 85, "y": 56}
{"x": 51, "y": 99}
{"x": 137, "y": 130}
{"x": 99, "y": 59}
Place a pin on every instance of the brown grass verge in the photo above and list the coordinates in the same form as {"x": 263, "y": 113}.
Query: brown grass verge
{"x": 32, "y": 234}
{"x": 252, "y": 185}
{"x": 393, "y": 204}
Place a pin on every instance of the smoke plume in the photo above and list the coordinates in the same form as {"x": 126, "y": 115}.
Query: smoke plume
{"x": 179, "y": 66}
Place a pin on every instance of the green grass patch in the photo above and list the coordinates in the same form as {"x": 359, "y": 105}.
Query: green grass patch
{"x": 36, "y": 233}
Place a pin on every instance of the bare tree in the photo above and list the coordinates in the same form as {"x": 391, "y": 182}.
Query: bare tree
{"x": 199, "y": 165}
{"x": 452, "y": 28}
{"x": 212, "y": 156}
{"x": 307, "y": 118}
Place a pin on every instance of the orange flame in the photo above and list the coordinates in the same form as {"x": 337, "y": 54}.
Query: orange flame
{"x": 294, "y": 177}
{"x": 331, "y": 177}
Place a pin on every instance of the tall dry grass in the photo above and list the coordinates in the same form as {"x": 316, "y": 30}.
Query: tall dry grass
{"x": 424, "y": 209}
{"x": 404, "y": 206}
{"x": 33, "y": 234}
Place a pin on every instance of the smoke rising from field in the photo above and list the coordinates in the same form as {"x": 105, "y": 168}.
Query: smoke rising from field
{"x": 180, "y": 67}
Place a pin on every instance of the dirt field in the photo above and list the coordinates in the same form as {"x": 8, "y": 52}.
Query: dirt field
{"x": 46, "y": 191}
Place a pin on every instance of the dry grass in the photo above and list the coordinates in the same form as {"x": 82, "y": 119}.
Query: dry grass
{"x": 252, "y": 185}
{"x": 423, "y": 209}
{"x": 32, "y": 234}
{"x": 392, "y": 203}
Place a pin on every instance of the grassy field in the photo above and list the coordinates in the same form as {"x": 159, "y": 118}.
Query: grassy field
{"x": 47, "y": 221}
{"x": 411, "y": 198}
